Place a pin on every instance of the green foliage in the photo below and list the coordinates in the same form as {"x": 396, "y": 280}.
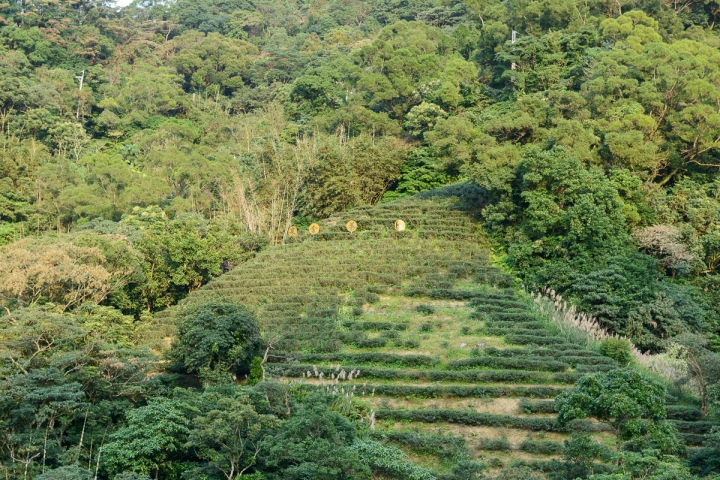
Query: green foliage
{"x": 256, "y": 371}
{"x": 389, "y": 461}
{"x": 620, "y": 398}
{"x": 542, "y": 447}
{"x": 425, "y": 309}
{"x": 486, "y": 420}
{"x": 228, "y": 431}
{"x": 500, "y": 444}
{"x": 218, "y": 337}
{"x": 314, "y": 443}
{"x": 73, "y": 472}
{"x": 202, "y": 129}
{"x": 442, "y": 446}
{"x": 616, "y": 348}
{"x": 134, "y": 448}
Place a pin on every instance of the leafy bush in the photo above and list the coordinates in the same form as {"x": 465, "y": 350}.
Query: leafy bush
{"x": 464, "y": 470}
{"x": 443, "y": 446}
{"x": 426, "y": 327}
{"x": 389, "y": 461}
{"x": 618, "y": 349}
{"x": 518, "y": 339}
{"x": 425, "y": 309}
{"x": 500, "y": 444}
{"x": 375, "y": 326}
{"x": 542, "y": 447}
{"x": 538, "y": 406}
{"x": 683, "y": 412}
{"x": 376, "y": 342}
{"x": 256, "y": 371}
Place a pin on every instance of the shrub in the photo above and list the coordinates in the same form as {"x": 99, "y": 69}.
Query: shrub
{"x": 372, "y": 297}
{"x": 415, "y": 291}
{"x": 390, "y": 334}
{"x": 425, "y": 309}
{"x": 426, "y": 327}
{"x": 390, "y": 461}
{"x": 517, "y": 473}
{"x": 375, "y": 326}
{"x": 618, "y": 349}
{"x": 500, "y": 444}
{"x": 376, "y": 342}
{"x": 538, "y": 406}
{"x": 537, "y": 335}
{"x": 256, "y": 371}
{"x": 683, "y": 412}
{"x": 542, "y": 447}
{"x": 441, "y": 445}
{"x": 464, "y": 470}
{"x": 694, "y": 427}
{"x": 409, "y": 343}
{"x": 533, "y": 339}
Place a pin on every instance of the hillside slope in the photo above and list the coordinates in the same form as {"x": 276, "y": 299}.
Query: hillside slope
{"x": 419, "y": 336}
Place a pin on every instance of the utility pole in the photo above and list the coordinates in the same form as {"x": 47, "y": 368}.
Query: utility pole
{"x": 81, "y": 78}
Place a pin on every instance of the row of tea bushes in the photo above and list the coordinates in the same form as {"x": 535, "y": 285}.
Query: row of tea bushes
{"x": 490, "y": 376}
{"x": 476, "y": 419}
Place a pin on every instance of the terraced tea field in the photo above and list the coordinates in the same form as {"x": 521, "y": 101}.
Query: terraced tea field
{"x": 419, "y": 336}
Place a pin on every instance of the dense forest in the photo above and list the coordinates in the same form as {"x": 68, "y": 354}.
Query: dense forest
{"x": 147, "y": 150}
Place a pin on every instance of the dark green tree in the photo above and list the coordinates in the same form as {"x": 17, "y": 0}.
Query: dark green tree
{"x": 217, "y": 337}
{"x": 624, "y": 399}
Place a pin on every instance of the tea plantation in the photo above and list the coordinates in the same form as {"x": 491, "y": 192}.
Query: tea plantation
{"x": 420, "y": 337}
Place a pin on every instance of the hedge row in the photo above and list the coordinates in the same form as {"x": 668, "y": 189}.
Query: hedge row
{"x": 504, "y": 376}
{"x": 441, "y": 445}
{"x": 521, "y": 363}
{"x": 462, "y": 391}
{"x": 683, "y": 412}
{"x": 542, "y": 447}
{"x": 480, "y": 300}
{"x": 371, "y": 357}
{"x": 523, "y": 325}
{"x": 464, "y": 417}
{"x": 533, "y": 340}
{"x": 496, "y": 445}
{"x": 559, "y": 352}
{"x": 537, "y": 335}
{"x": 587, "y": 360}
{"x": 695, "y": 427}
{"x": 594, "y": 368}
{"x": 375, "y": 326}
{"x": 513, "y": 316}
{"x": 548, "y": 466}
{"x": 692, "y": 439}
{"x": 449, "y": 294}
{"x": 486, "y": 311}
{"x": 538, "y": 406}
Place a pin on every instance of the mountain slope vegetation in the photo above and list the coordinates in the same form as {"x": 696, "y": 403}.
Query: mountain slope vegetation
{"x": 556, "y": 164}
